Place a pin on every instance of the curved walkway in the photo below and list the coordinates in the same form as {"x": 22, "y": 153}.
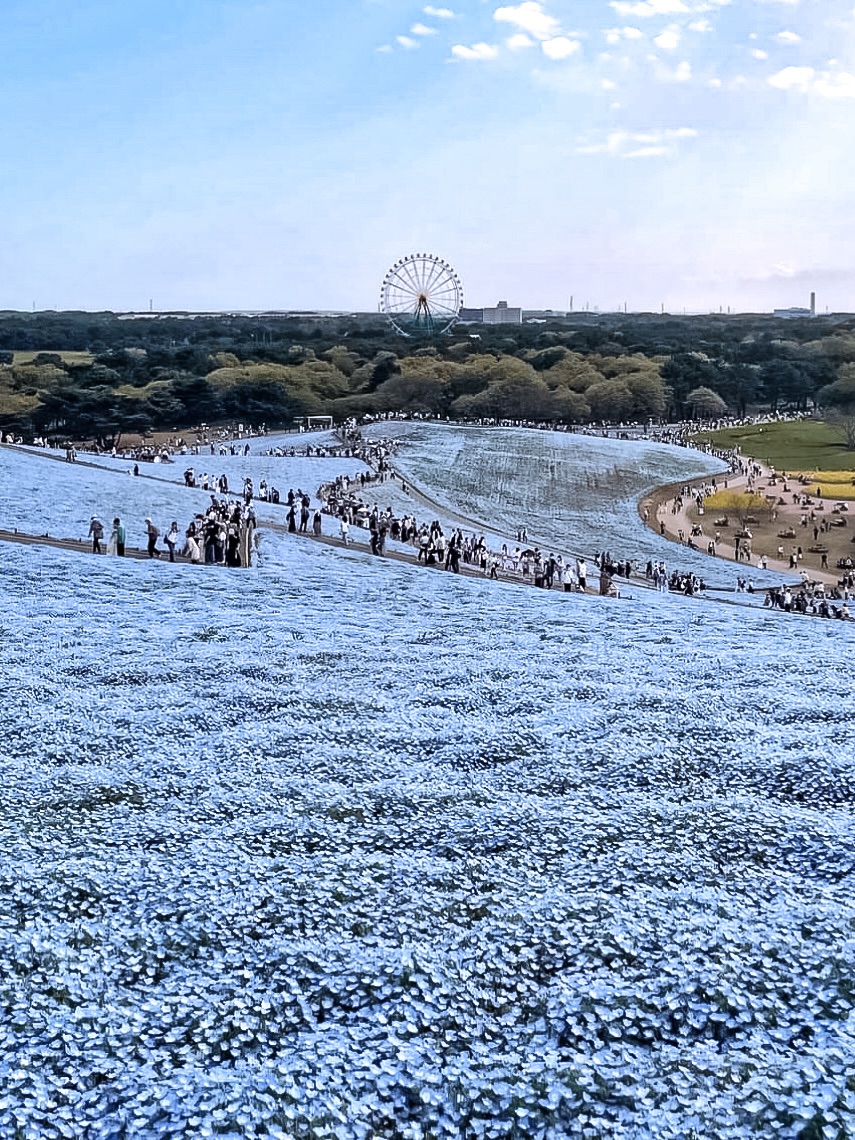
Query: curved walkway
{"x": 658, "y": 505}
{"x": 397, "y": 555}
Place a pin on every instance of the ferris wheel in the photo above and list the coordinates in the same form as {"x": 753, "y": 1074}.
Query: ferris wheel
{"x": 421, "y": 294}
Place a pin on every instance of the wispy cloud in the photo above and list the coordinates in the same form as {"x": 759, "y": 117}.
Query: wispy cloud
{"x": 639, "y": 144}
{"x": 438, "y": 13}
{"x": 647, "y": 8}
{"x": 407, "y": 42}
{"x": 480, "y": 51}
{"x": 615, "y": 35}
{"x": 788, "y": 37}
{"x": 519, "y": 40}
{"x": 422, "y": 30}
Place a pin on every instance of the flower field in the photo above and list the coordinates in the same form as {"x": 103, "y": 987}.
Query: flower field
{"x": 338, "y": 847}
{"x": 571, "y": 492}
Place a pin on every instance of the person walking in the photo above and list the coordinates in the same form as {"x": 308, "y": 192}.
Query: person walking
{"x": 582, "y": 574}
{"x": 119, "y": 527}
{"x": 153, "y": 534}
{"x": 171, "y": 539}
{"x": 96, "y": 533}
{"x": 344, "y": 530}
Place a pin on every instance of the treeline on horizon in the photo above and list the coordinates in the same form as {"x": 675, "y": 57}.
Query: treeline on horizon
{"x": 84, "y": 376}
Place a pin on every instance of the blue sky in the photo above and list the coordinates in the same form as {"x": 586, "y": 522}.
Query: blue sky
{"x": 208, "y": 155}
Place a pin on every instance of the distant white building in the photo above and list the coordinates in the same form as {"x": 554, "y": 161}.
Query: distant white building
{"x": 797, "y": 314}
{"x": 792, "y": 314}
{"x": 502, "y": 314}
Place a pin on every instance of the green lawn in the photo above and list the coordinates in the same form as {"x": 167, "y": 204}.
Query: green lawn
{"x": 805, "y": 445}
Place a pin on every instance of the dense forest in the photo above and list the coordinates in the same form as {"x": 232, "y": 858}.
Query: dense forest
{"x": 96, "y": 376}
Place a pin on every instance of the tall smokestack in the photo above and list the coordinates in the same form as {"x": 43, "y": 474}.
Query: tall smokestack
{"x": 813, "y": 304}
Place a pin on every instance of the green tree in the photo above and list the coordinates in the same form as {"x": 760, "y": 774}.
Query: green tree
{"x": 260, "y": 400}
{"x": 648, "y": 395}
{"x": 705, "y": 404}
{"x": 611, "y": 401}
{"x": 838, "y": 403}
{"x": 200, "y": 402}
{"x": 685, "y": 371}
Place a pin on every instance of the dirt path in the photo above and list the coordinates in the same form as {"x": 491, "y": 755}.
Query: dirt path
{"x": 656, "y": 509}
{"x": 396, "y": 553}
{"x": 76, "y": 545}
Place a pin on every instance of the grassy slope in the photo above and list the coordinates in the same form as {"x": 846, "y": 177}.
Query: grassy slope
{"x": 807, "y": 445}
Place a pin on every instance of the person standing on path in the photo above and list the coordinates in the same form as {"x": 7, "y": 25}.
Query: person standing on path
{"x": 582, "y": 574}
{"x": 171, "y": 539}
{"x": 96, "y": 533}
{"x": 119, "y": 527}
{"x": 153, "y": 534}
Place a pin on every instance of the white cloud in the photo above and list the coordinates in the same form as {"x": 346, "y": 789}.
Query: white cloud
{"x": 835, "y": 85}
{"x": 684, "y": 72}
{"x": 384, "y": 49}
{"x": 615, "y": 35}
{"x": 758, "y": 53}
{"x": 793, "y": 78}
{"x": 809, "y": 81}
{"x": 715, "y": 83}
{"x": 438, "y": 13}
{"x": 422, "y": 30}
{"x": 477, "y": 51}
{"x": 560, "y": 47}
{"x": 530, "y": 17}
{"x": 643, "y": 144}
{"x": 518, "y": 41}
{"x": 607, "y": 85}
{"x": 407, "y": 42}
{"x": 788, "y": 38}
{"x": 669, "y": 39}
{"x": 647, "y": 8}
{"x": 702, "y": 26}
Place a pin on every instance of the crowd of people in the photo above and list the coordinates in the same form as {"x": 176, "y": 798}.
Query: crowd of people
{"x": 810, "y": 599}
{"x": 226, "y": 534}
{"x": 453, "y": 550}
